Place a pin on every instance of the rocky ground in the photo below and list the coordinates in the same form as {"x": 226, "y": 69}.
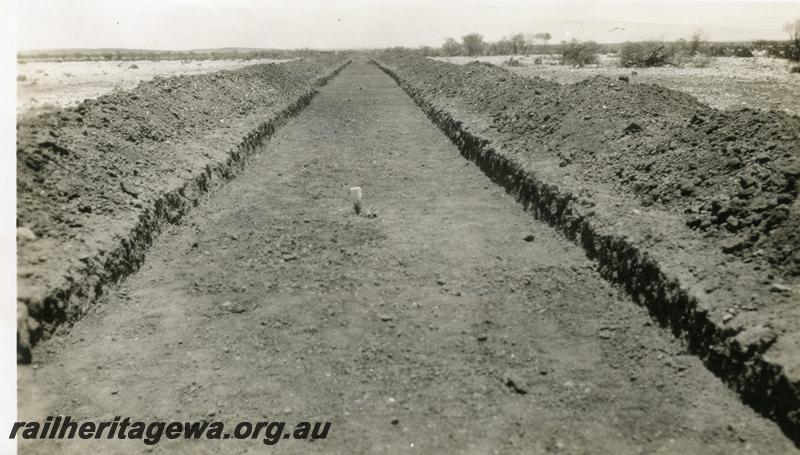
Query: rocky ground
{"x": 444, "y": 319}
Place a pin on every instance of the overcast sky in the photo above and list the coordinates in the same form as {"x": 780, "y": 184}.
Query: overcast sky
{"x": 331, "y": 24}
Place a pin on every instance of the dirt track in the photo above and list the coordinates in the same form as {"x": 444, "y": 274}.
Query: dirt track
{"x": 422, "y": 314}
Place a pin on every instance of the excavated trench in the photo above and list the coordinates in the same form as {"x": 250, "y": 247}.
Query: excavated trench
{"x": 740, "y": 362}
{"x": 43, "y": 307}
{"x": 443, "y": 301}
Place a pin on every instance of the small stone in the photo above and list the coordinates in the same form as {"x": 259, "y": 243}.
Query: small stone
{"x": 515, "y": 383}
{"x": 632, "y": 128}
{"x": 747, "y": 182}
{"x": 440, "y": 282}
{"x": 24, "y": 233}
{"x": 395, "y": 421}
{"x": 733, "y": 163}
{"x": 792, "y": 169}
{"x": 777, "y": 216}
{"x": 386, "y": 317}
{"x": 687, "y": 188}
{"x": 734, "y": 244}
{"x": 696, "y": 120}
{"x": 482, "y": 338}
{"x": 694, "y": 221}
{"x": 778, "y": 287}
{"x": 762, "y": 158}
{"x": 732, "y": 223}
{"x": 232, "y": 307}
{"x": 529, "y": 238}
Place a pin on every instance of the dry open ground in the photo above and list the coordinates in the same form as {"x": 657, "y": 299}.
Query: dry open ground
{"x": 185, "y": 255}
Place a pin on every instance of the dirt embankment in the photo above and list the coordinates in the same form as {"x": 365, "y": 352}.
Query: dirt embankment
{"x": 693, "y": 210}
{"x": 96, "y": 182}
{"x": 733, "y": 174}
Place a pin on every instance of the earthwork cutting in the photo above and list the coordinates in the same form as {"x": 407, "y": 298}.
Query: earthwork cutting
{"x": 432, "y": 257}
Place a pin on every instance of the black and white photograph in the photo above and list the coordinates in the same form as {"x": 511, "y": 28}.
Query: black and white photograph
{"x": 400, "y": 227}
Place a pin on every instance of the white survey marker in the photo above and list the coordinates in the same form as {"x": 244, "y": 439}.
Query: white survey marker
{"x": 355, "y": 196}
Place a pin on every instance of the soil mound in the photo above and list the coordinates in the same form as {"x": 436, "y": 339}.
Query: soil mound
{"x": 91, "y": 177}
{"x": 733, "y": 176}
{"x": 75, "y": 165}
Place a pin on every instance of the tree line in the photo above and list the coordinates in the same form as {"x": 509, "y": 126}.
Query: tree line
{"x": 474, "y": 44}
{"x": 691, "y": 51}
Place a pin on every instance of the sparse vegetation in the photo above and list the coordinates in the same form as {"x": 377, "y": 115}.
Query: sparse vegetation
{"x": 742, "y": 52}
{"x": 518, "y": 43}
{"x": 473, "y": 44}
{"x": 696, "y": 43}
{"x": 427, "y": 51}
{"x": 579, "y": 53}
{"x": 694, "y": 51}
{"x": 502, "y": 47}
{"x": 645, "y": 54}
{"x": 541, "y": 38}
{"x": 451, "y": 47}
{"x": 793, "y": 30}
